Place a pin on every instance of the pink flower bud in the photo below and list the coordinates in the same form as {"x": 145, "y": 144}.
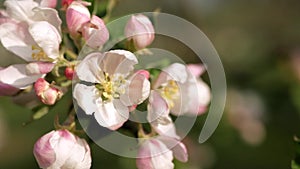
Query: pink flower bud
{"x": 140, "y": 29}
{"x": 69, "y": 72}
{"x": 95, "y": 32}
{"x": 76, "y": 15}
{"x": 46, "y": 93}
{"x": 62, "y": 149}
{"x": 35, "y": 68}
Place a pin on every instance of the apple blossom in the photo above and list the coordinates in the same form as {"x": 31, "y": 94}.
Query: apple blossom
{"x": 46, "y": 93}
{"x": 62, "y": 149}
{"x": 33, "y": 32}
{"x": 181, "y": 91}
{"x": 112, "y": 89}
{"x": 139, "y": 29}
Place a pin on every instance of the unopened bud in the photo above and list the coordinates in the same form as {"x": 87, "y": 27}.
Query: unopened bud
{"x": 47, "y": 93}
{"x": 140, "y": 29}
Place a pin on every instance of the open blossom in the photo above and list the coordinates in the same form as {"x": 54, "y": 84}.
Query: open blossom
{"x": 112, "y": 88}
{"x": 139, "y": 29}
{"x": 31, "y": 32}
{"x": 158, "y": 153}
{"x": 175, "y": 91}
{"x": 61, "y": 149}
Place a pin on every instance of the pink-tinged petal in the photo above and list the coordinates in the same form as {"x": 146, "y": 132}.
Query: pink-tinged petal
{"x": 15, "y": 75}
{"x": 111, "y": 114}
{"x": 16, "y": 38}
{"x": 178, "y": 148}
{"x": 176, "y": 72}
{"x": 50, "y": 95}
{"x": 49, "y": 15}
{"x": 157, "y": 108}
{"x": 118, "y": 62}
{"x": 7, "y": 90}
{"x": 165, "y": 128}
{"x": 88, "y": 70}
{"x": 95, "y": 32}
{"x": 62, "y": 142}
{"x": 35, "y": 68}
{"x": 48, "y": 3}
{"x": 47, "y": 37}
{"x": 196, "y": 69}
{"x": 40, "y": 86}
{"x": 153, "y": 154}
{"x": 43, "y": 151}
{"x": 145, "y": 73}
{"x": 204, "y": 97}
{"x": 140, "y": 29}
{"x": 86, "y": 97}
{"x": 137, "y": 91}
{"x": 20, "y": 10}
{"x": 4, "y": 18}
{"x": 76, "y": 15}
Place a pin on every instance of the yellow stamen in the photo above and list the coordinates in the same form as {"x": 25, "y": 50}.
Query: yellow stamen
{"x": 170, "y": 91}
{"x": 38, "y": 53}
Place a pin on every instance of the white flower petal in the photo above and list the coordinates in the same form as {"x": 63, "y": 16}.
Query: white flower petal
{"x": 15, "y": 75}
{"x": 20, "y": 10}
{"x": 157, "y": 108}
{"x": 137, "y": 91}
{"x": 178, "y": 148}
{"x": 47, "y": 37}
{"x": 16, "y": 38}
{"x": 154, "y": 154}
{"x": 118, "y": 62}
{"x": 49, "y": 15}
{"x": 88, "y": 70}
{"x": 165, "y": 128}
{"x": 62, "y": 143}
{"x": 111, "y": 114}
{"x": 86, "y": 97}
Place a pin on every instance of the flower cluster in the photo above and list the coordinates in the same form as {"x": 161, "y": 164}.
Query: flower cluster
{"x": 108, "y": 87}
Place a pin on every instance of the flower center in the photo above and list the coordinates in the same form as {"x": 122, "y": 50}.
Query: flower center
{"x": 110, "y": 88}
{"x": 38, "y": 53}
{"x": 170, "y": 91}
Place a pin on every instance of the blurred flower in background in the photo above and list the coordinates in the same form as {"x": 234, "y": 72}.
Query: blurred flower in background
{"x": 246, "y": 113}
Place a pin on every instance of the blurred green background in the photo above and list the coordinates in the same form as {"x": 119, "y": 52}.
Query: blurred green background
{"x": 259, "y": 44}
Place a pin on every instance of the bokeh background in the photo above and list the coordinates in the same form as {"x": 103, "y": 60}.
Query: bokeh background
{"x": 259, "y": 44}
